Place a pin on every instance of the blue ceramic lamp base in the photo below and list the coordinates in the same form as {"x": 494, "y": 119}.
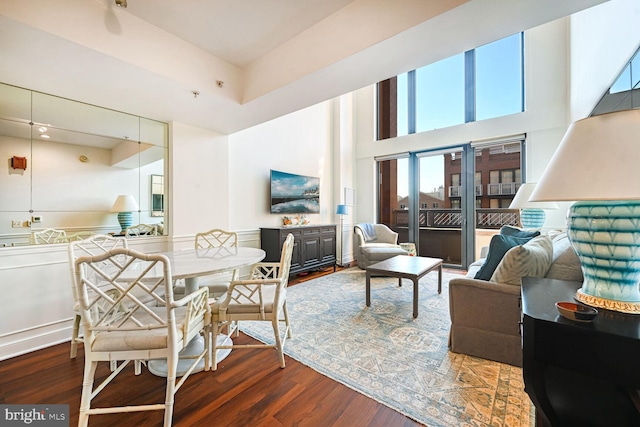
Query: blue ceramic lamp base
{"x": 125, "y": 219}
{"x": 606, "y": 237}
{"x": 532, "y": 217}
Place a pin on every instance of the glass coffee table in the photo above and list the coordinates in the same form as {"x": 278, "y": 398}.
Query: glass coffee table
{"x": 405, "y": 267}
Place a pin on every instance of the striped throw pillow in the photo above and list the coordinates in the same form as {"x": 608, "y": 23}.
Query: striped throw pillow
{"x": 533, "y": 259}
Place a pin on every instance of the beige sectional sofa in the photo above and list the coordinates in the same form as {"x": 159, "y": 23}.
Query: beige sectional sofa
{"x": 485, "y": 314}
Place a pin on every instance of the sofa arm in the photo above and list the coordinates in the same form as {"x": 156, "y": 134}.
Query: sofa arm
{"x": 485, "y": 320}
{"x": 485, "y": 305}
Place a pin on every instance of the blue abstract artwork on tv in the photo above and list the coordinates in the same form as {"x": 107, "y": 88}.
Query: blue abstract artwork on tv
{"x": 294, "y": 194}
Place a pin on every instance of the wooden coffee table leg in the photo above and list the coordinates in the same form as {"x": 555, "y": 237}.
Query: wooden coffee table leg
{"x": 368, "y": 290}
{"x": 440, "y": 278}
{"x": 415, "y": 298}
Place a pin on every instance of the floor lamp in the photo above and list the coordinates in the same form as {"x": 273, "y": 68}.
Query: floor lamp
{"x": 342, "y": 211}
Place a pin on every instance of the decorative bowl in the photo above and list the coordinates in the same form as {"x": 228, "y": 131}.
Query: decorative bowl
{"x": 577, "y": 312}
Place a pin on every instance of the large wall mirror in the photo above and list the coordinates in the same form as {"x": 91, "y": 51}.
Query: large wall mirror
{"x": 65, "y": 163}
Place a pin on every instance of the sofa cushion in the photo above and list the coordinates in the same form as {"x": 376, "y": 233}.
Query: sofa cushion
{"x": 508, "y": 230}
{"x": 566, "y": 264}
{"x": 498, "y": 246}
{"x": 532, "y": 259}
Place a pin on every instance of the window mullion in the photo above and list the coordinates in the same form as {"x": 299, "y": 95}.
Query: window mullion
{"x": 470, "y": 86}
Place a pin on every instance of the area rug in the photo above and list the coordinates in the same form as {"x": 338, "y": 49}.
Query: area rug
{"x": 401, "y": 362}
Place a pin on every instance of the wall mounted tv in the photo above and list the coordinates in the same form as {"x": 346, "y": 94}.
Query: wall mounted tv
{"x": 294, "y": 194}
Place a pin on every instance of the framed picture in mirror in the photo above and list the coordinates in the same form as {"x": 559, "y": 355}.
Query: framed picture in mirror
{"x": 157, "y": 195}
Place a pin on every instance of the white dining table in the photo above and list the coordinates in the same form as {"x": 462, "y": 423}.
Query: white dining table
{"x": 189, "y": 264}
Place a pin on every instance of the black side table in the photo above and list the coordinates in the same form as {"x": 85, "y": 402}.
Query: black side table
{"x": 577, "y": 373}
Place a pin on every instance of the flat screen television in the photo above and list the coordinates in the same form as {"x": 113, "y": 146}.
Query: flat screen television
{"x": 294, "y": 194}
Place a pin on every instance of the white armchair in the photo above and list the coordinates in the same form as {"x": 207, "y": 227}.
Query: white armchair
{"x": 374, "y": 243}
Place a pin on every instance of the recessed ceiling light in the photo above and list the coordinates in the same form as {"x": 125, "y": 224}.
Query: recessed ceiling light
{"x": 45, "y": 136}
{"x": 42, "y": 129}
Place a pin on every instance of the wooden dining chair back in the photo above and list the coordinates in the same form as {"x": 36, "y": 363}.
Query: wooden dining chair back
{"x": 226, "y": 242}
{"x": 262, "y": 297}
{"x": 119, "y": 326}
{"x": 50, "y": 235}
{"x": 94, "y": 245}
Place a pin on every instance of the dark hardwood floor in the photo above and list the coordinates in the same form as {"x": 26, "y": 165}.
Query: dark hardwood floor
{"x": 248, "y": 389}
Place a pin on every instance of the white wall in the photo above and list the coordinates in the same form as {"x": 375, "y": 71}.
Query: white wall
{"x": 199, "y": 188}
{"x": 299, "y": 143}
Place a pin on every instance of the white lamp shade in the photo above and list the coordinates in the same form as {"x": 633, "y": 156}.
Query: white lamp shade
{"x": 598, "y": 159}
{"x": 125, "y": 203}
{"x": 521, "y": 201}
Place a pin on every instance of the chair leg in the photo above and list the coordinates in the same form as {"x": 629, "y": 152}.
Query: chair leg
{"x": 207, "y": 346}
{"x": 137, "y": 367}
{"x": 172, "y": 368}
{"x": 214, "y": 344}
{"x": 74, "y": 337}
{"x": 286, "y": 318}
{"x": 279, "y": 346}
{"x": 87, "y": 391}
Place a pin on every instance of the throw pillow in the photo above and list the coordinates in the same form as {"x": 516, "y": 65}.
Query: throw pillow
{"x": 508, "y": 230}
{"x": 533, "y": 259}
{"x": 566, "y": 264}
{"x": 498, "y": 246}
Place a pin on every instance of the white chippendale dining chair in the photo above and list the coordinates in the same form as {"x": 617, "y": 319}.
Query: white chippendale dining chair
{"x": 263, "y": 297}
{"x": 226, "y": 241}
{"x": 94, "y": 245}
{"x": 119, "y": 326}
{"x": 50, "y": 235}
{"x": 141, "y": 230}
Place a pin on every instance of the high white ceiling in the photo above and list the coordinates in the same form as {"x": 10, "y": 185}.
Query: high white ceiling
{"x": 238, "y": 32}
{"x": 273, "y": 56}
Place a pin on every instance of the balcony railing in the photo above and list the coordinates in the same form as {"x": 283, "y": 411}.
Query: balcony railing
{"x": 503, "y": 189}
{"x": 452, "y": 218}
{"x": 456, "y": 191}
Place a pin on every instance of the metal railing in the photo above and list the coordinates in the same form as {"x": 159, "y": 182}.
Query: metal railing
{"x": 503, "y": 189}
{"x": 452, "y": 218}
{"x": 456, "y": 191}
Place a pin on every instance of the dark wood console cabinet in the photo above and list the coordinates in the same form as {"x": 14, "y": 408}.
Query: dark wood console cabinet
{"x": 577, "y": 373}
{"x": 314, "y": 246}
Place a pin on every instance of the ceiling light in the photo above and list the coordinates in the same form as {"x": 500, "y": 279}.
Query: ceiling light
{"x": 121, "y": 3}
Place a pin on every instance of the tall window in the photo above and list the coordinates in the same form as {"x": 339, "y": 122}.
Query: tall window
{"x": 440, "y": 94}
{"x": 479, "y": 84}
{"x": 498, "y": 79}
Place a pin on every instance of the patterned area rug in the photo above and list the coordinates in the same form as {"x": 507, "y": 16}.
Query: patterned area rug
{"x": 401, "y": 362}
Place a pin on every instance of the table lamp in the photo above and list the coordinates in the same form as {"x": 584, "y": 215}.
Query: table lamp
{"x": 532, "y": 214}
{"x": 597, "y": 165}
{"x": 124, "y": 205}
